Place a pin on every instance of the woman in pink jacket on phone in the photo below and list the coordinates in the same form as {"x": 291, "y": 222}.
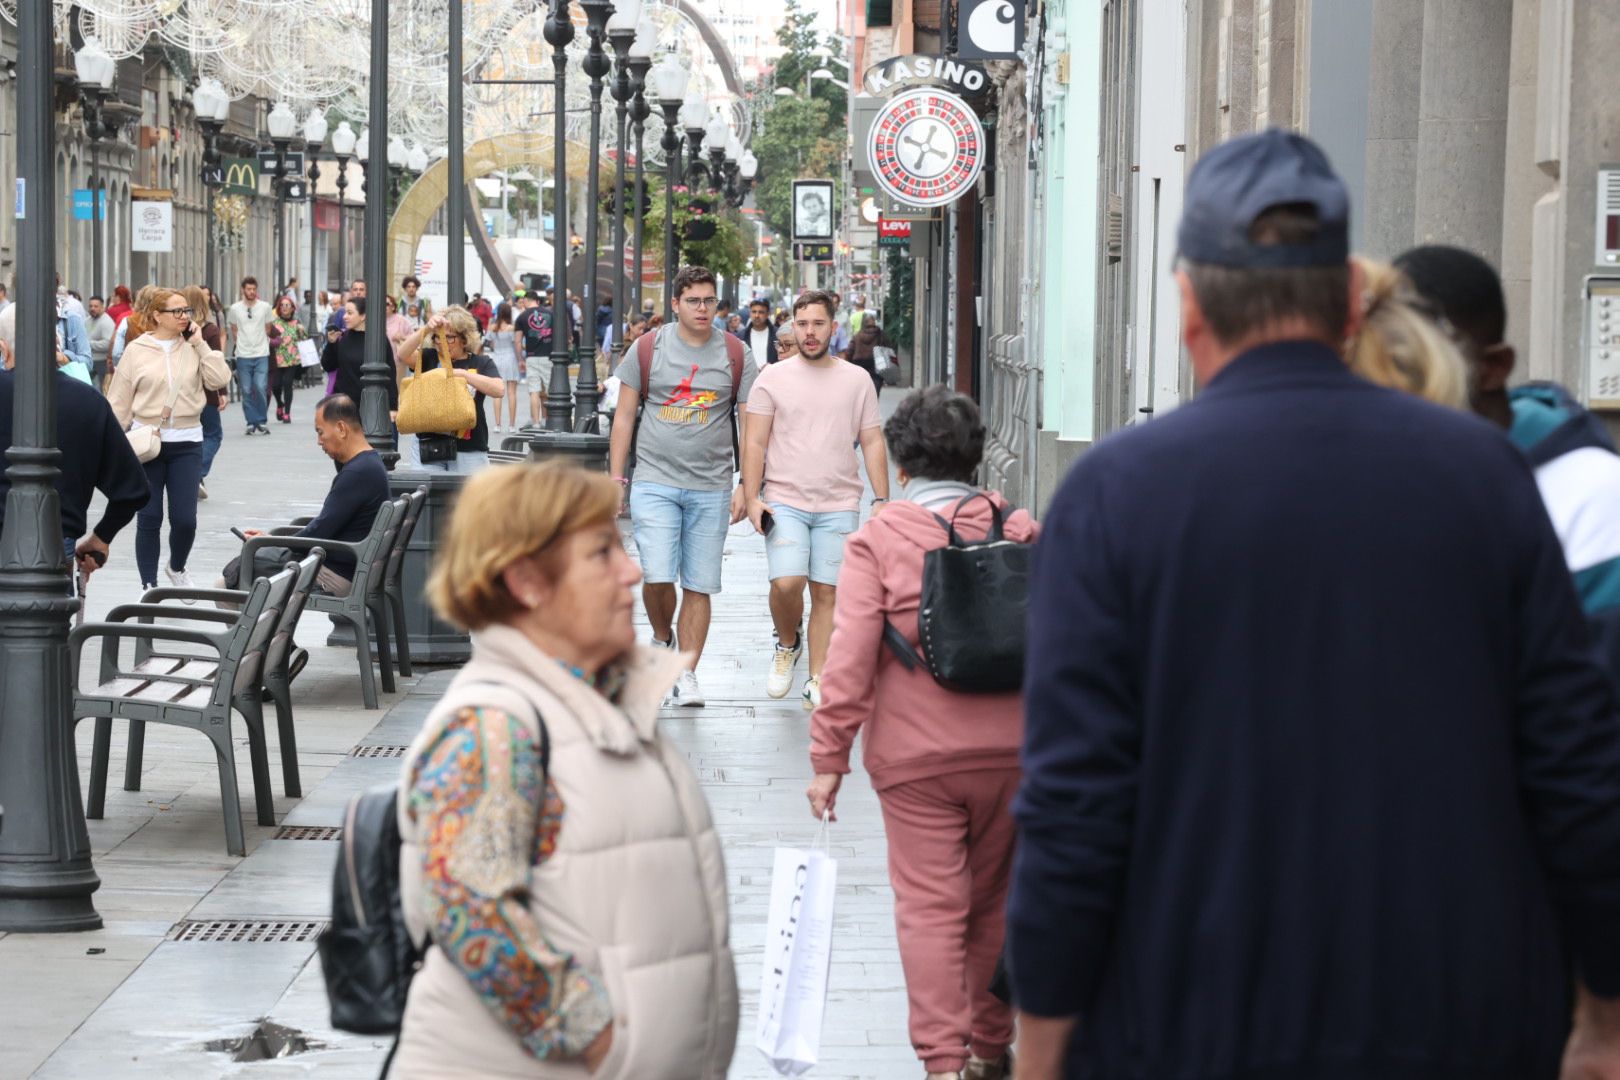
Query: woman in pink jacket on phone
{"x": 944, "y": 764}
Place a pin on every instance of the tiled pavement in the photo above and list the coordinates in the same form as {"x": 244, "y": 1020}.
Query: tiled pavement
{"x": 128, "y": 1002}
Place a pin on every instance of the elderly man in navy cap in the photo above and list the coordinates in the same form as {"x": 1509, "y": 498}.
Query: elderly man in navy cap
{"x": 1322, "y": 776}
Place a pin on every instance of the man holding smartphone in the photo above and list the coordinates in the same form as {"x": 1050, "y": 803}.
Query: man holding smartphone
{"x": 803, "y": 483}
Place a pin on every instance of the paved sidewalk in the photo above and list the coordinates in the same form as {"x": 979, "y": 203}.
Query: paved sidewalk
{"x": 128, "y": 1001}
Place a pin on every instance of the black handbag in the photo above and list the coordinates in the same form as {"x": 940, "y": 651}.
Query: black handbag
{"x": 435, "y": 448}
{"x": 972, "y": 611}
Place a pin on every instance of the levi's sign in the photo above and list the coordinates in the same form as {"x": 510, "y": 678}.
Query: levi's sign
{"x": 963, "y": 77}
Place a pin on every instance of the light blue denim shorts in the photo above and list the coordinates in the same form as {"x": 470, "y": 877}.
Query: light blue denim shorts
{"x": 680, "y": 534}
{"x": 807, "y": 544}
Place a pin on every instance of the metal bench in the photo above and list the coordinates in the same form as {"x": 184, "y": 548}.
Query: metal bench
{"x": 365, "y": 608}
{"x": 276, "y": 678}
{"x": 509, "y": 457}
{"x": 201, "y": 698}
{"x": 394, "y": 577}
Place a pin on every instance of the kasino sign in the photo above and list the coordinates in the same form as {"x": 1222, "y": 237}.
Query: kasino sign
{"x": 962, "y": 77}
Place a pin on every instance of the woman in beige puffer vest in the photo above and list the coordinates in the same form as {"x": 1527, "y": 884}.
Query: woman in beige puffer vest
{"x": 576, "y": 912}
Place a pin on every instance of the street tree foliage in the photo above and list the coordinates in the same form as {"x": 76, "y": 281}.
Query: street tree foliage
{"x": 799, "y": 137}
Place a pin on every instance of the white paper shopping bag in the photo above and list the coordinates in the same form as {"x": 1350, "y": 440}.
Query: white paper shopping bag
{"x": 798, "y": 949}
{"x": 307, "y": 354}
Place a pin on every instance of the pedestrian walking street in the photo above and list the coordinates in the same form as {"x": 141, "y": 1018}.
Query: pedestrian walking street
{"x": 132, "y": 1001}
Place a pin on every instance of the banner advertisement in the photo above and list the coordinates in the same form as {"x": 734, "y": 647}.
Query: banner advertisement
{"x": 152, "y": 225}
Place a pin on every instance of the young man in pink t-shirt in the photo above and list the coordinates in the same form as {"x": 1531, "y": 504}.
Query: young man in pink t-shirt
{"x": 803, "y": 483}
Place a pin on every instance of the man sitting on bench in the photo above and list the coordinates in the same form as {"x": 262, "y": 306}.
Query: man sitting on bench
{"x": 357, "y": 493}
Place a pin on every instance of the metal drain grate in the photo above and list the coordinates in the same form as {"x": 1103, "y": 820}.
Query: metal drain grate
{"x": 378, "y": 751}
{"x": 257, "y": 931}
{"x": 309, "y": 832}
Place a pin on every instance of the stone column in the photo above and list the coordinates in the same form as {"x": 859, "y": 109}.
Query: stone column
{"x": 1462, "y": 123}
{"x": 1525, "y": 184}
{"x": 1394, "y": 87}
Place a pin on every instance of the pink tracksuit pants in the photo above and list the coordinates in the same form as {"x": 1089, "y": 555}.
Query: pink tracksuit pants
{"x": 950, "y": 860}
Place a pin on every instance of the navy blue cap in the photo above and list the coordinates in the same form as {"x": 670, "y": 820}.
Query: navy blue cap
{"x": 1240, "y": 180}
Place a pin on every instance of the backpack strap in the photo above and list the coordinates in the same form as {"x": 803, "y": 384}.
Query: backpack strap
{"x": 734, "y": 353}
{"x": 644, "y": 358}
{"x": 995, "y": 534}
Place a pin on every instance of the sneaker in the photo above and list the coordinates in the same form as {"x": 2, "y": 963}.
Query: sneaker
{"x": 686, "y": 693}
{"x": 980, "y": 1069}
{"x": 202, "y": 491}
{"x": 263, "y": 430}
{"x": 252, "y": 429}
{"x": 670, "y": 644}
{"x": 783, "y": 659}
{"x": 180, "y": 580}
{"x": 812, "y": 693}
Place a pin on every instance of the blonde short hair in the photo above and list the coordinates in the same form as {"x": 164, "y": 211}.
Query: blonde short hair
{"x": 462, "y": 322}
{"x": 1402, "y": 345}
{"x": 507, "y": 513}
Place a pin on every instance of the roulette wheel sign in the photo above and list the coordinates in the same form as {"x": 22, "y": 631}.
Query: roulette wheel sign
{"x": 927, "y": 147}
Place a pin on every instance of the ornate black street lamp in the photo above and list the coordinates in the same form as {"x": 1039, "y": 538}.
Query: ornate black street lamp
{"x": 621, "y": 31}
{"x": 695, "y": 119}
{"x": 282, "y": 124}
{"x": 738, "y": 185}
{"x": 377, "y": 372}
{"x": 669, "y": 84}
{"x": 640, "y": 110}
{"x": 314, "y": 137}
{"x": 559, "y": 31}
{"x": 46, "y": 876}
{"x": 213, "y": 107}
{"x": 596, "y": 67}
{"x": 96, "y": 70}
{"x": 715, "y": 138}
{"x": 343, "y": 143}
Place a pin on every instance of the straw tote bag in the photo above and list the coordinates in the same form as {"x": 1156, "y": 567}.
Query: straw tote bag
{"x": 437, "y": 402}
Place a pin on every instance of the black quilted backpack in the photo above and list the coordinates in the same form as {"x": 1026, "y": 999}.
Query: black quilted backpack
{"x": 970, "y": 620}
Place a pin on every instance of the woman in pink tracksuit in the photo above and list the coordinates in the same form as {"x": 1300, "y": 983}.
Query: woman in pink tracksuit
{"x": 944, "y": 764}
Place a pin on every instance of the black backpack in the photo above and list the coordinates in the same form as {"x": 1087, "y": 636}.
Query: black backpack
{"x": 367, "y": 956}
{"x": 970, "y": 618}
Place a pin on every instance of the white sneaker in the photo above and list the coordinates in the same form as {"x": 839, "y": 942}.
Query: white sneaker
{"x": 686, "y": 693}
{"x": 812, "y": 693}
{"x": 180, "y": 580}
{"x": 670, "y": 644}
{"x": 783, "y": 660}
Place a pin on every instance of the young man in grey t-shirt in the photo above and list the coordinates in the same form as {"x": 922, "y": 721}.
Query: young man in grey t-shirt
{"x": 684, "y": 498}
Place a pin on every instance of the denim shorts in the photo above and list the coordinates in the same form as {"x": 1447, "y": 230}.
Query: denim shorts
{"x": 807, "y": 544}
{"x": 680, "y": 534}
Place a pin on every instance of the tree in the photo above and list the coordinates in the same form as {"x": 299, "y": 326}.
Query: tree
{"x": 798, "y": 141}
{"x": 793, "y": 69}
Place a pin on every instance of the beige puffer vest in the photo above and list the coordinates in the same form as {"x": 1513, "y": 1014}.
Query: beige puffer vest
{"x": 635, "y": 890}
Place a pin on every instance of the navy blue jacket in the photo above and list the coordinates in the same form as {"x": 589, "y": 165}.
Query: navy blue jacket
{"x": 1322, "y": 775}
{"x": 96, "y": 455}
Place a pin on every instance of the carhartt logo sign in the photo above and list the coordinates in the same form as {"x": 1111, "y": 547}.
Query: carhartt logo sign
{"x": 990, "y": 29}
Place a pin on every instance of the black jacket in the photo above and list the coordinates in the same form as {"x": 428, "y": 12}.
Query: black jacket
{"x": 1322, "y": 775}
{"x": 746, "y": 336}
{"x": 95, "y": 455}
{"x": 346, "y": 356}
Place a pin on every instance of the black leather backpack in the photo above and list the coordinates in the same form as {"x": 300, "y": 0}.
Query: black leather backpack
{"x": 970, "y": 619}
{"x": 367, "y": 956}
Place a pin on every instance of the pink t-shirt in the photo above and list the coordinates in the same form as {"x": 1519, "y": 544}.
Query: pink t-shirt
{"x": 817, "y": 414}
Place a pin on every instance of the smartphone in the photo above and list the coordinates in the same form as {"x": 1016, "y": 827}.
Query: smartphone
{"x": 766, "y": 523}
{"x": 240, "y": 535}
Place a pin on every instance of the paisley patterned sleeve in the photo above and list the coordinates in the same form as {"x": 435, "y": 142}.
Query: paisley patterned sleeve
{"x": 485, "y": 821}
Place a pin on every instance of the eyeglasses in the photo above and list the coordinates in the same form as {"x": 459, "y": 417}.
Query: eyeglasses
{"x": 698, "y": 303}
{"x": 177, "y": 311}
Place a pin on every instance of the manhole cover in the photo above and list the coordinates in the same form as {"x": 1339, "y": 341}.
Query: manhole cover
{"x": 267, "y": 1041}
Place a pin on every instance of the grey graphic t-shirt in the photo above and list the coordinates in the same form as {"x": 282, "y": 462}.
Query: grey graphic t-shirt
{"x": 685, "y": 436}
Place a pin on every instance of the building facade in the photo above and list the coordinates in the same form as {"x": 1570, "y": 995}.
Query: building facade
{"x": 156, "y": 152}
{"x": 1048, "y": 293}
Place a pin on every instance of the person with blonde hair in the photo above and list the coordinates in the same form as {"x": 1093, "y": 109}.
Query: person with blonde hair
{"x": 163, "y": 381}
{"x": 453, "y": 451}
{"x": 1401, "y": 344}
{"x": 138, "y": 322}
{"x": 557, "y": 849}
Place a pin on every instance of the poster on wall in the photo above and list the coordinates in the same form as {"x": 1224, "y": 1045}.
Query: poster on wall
{"x": 152, "y": 225}
{"x": 812, "y": 209}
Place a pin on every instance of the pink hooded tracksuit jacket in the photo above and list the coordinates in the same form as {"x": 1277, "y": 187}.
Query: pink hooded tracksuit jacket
{"x": 914, "y": 727}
